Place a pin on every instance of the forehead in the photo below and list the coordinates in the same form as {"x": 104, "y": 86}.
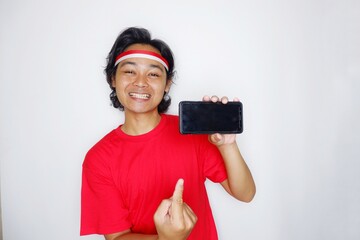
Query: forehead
{"x": 149, "y": 61}
{"x": 140, "y": 46}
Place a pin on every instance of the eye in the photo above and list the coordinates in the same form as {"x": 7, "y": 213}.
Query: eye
{"x": 154, "y": 75}
{"x": 129, "y": 72}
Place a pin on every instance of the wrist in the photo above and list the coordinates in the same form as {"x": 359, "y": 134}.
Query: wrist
{"x": 226, "y": 146}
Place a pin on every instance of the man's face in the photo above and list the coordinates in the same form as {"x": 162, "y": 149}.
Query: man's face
{"x": 140, "y": 82}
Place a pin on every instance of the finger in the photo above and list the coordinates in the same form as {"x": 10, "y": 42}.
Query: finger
{"x": 189, "y": 212}
{"x": 189, "y": 220}
{"x": 236, "y": 99}
{"x": 176, "y": 208}
{"x": 162, "y": 210}
{"x": 224, "y": 100}
{"x": 214, "y": 99}
{"x": 215, "y": 138}
{"x": 206, "y": 98}
{"x": 178, "y": 192}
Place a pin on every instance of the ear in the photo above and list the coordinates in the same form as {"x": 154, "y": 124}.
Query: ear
{"x": 113, "y": 82}
{"x": 168, "y": 85}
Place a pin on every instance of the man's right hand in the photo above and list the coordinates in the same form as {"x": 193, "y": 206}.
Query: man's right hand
{"x": 174, "y": 219}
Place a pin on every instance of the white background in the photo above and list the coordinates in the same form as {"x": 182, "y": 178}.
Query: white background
{"x": 295, "y": 65}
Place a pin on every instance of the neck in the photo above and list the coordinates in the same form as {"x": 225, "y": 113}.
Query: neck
{"x": 137, "y": 124}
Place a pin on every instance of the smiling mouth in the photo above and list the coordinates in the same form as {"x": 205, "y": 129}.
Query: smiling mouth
{"x": 139, "y": 95}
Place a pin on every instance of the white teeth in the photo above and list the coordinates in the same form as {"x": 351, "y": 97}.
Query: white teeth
{"x": 139, "y": 95}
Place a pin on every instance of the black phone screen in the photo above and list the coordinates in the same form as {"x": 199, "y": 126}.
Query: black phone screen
{"x": 198, "y": 117}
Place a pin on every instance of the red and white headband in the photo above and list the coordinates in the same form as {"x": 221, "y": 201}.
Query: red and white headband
{"x": 142, "y": 54}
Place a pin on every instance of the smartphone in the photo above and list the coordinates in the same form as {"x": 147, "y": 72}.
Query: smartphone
{"x": 197, "y": 117}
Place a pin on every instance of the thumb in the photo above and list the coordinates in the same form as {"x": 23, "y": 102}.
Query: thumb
{"x": 215, "y": 138}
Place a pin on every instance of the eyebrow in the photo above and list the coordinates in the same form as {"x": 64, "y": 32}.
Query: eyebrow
{"x": 134, "y": 64}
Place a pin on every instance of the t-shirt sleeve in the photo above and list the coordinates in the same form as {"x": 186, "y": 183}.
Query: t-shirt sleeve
{"x": 214, "y": 166}
{"x": 102, "y": 208}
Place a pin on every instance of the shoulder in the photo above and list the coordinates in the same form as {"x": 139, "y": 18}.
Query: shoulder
{"x": 171, "y": 121}
{"x": 102, "y": 150}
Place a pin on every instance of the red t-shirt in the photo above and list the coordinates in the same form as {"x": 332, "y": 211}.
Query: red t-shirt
{"x": 125, "y": 178}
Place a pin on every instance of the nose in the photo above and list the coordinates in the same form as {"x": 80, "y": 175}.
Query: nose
{"x": 140, "y": 81}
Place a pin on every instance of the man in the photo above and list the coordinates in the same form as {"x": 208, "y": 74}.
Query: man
{"x": 129, "y": 176}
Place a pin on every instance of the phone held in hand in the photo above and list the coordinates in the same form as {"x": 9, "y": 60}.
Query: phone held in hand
{"x": 198, "y": 117}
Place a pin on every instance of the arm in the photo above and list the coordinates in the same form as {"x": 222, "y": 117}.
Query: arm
{"x": 240, "y": 183}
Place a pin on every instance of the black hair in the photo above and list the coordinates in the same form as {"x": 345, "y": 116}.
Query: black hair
{"x": 126, "y": 38}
